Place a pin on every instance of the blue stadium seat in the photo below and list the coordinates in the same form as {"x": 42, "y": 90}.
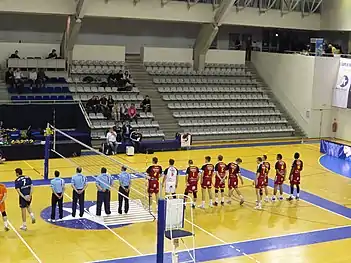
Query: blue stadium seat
{"x": 46, "y": 97}
{"x": 29, "y": 97}
{"x": 22, "y": 97}
{"x": 58, "y": 89}
{"x": 61, "y": 97}
{"x": 65, "y": 90}
{"x": 53, "y": 97}
{"x": 69, "y": 97}
{"x": 38, "y": 97}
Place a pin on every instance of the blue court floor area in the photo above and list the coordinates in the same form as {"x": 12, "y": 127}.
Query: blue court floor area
{"x": 336, "y": 165}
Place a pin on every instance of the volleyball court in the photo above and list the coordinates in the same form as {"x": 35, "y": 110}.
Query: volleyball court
{"x": 141, "y": 210}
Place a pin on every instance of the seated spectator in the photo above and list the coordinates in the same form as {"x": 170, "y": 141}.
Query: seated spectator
{"x": 90, "y": 106}
{"x": 116, "y": 115}
{"x": 132, "y": 113}
{"x": 9, "y": 77}
{"x": 104, "y": 107}
{"x": 53, "y": 54}
{"x": 15, "y": 55}
{"x": 19, "y": 83}
{"x": 111, "y": 140}
{"x": 96, "y": 101}
{"x": 112, "y": 80}
{"x": 124, "y": 112}
{"x": 110, "y": 102}
{"x": 41, "y": 78}
{"x": 33, "y": 76}
{"x": 146, "y": 104}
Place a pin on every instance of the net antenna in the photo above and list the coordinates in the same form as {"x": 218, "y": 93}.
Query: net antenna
{"x": 91, "y": 164}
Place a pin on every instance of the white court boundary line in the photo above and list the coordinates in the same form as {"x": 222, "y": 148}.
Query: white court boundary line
{"x": 236, "y": 242}
{"x": 102, "y": 223}
{"x": 24, "y": 242}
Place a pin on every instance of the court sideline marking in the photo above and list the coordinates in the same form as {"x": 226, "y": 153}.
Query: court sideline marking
{"x": 24, "y": 242}
{"x": 102, "y": 223}
{"x": 236, "y": 242}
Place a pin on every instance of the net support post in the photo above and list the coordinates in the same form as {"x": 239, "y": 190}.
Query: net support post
{"x": 161, "y": 225}
{"x": 47, "y": 152}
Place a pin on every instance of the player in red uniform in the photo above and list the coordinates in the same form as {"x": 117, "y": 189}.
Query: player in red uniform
{"x": 220, "y": 176}
{"x": 206, "y": 181}
{"x": 153, "y": 174}
{"x": 280, "y": 172}
{"x": 259, "y": 181}
{"x": 233, "y": 175}
{"x": 267, "y": 165}
{"x": 191, "y": 181}
{"x": 295, "y": 177}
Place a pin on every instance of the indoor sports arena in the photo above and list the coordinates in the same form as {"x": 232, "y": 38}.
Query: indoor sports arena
{"x": 160, "y": 131}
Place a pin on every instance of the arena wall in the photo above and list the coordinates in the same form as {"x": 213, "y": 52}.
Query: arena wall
{"x": 150, "y": 54}
{"x": 99, "y": 52}
{"x": 303, "y": 85}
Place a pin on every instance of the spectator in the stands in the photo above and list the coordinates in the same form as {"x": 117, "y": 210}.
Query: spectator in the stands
{"x": 111, "y": 139}
{"x": 33, "y": 76}
{"x": 19, "y": 80}
{"x": 126, "y": 131}
{"x": 135, "y": 138}
{"x": 110, "y": 102}
{"x": 116, "y": 115}
{"x": 124, "y": 112}
{"x": 90, "y": 106}
{"x": 41, "y": 78}
{"x": 132, "y": 113}
{"x": 146, "y": 104}
{"x": 96, "y": 101}
{"x": 112, "y": 80}
{"x": 104, "y": 106}
{"x": 9, "y": 77}
{"x": 15, "y": 55}
{"x": 53, "y": 54}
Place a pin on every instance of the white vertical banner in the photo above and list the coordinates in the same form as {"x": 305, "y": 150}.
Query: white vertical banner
{"x": 342, "y": 87}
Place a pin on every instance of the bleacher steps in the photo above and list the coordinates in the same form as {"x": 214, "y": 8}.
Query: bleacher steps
{"x": 285, "y": 114}
{"x": 168, "y": 124}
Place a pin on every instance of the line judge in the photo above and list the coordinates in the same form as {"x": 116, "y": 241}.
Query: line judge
{"x": 125, "y": 183}
{"x": 79, "y": 184}
{"x": 104, "y": 183}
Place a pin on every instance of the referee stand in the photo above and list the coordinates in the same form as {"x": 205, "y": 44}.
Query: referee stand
{"x": 175, "y": 230}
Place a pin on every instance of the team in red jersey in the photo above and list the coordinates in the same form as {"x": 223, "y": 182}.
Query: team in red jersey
{"x": 260, "y": 181}
{"x": 191, "y": 181}
{"x": 280, "y": 172}
{"x": 220, "y": 176}
{"x": 233, "y": 179}
{"x": 206, "y": 180}
{"x": 295, "y": 177}
{"x": 153, "y": 174}
{"x": 267, "y": 166}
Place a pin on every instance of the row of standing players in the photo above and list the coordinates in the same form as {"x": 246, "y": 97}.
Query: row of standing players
{"x": 222, "y": 173}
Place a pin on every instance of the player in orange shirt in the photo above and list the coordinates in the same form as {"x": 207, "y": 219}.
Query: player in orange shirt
{"x": 3, "y": 195}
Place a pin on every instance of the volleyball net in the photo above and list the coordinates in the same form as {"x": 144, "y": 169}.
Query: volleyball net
{"x": 91, "y": 161}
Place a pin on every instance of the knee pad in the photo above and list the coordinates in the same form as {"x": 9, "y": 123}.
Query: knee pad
{"x": 261, "y": 192}
{"x": 216, "y": 191}
{"x": 3, "y": 213}
{"x": 195, "y": 194}
{"x": 222, "y": 190}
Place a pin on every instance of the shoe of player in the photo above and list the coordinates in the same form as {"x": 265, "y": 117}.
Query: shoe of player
{"x": 24, "y": 228}
{"x": 281, "y": 198}
{"x": 242, "y": 201}
{"x": 274, "y": 198}
{"x": 222, "y": 203}
{"x": 33, "y": 220}
{"x": 297, "y": 198}
{"x": 193, "y": 205}
{"x": 258, "y": 207}
{"x": 290, "y": 198}
{"x": 211, "y": 205}
{"x": 229, "y": 202}
{"x": 201, "y": 206}
{"x": 215, "y": 204}
{"x": 266, "y": 199}
{"x": 6, "y": 228}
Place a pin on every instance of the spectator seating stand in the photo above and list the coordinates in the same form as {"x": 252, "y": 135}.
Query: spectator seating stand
{"x": 83, "y": 91}
{"x": 222, "y": 101}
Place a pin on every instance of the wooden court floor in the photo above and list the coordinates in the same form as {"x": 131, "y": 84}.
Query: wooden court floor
{"x": 315, "y": 229}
